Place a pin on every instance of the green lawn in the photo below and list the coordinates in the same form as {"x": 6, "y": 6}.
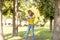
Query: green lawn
{"x": 41, "y": 33}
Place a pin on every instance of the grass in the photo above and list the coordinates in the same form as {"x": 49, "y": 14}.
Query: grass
{"x": 41, "y": 33}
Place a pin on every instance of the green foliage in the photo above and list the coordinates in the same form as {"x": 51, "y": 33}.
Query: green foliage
{"x": 22, "y": 15}
{"x": 23, "y": 6}
{"x": 7, "y": 7}
{"x": 46, "y": 7}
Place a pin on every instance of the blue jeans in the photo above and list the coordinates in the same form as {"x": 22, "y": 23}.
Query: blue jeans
{"x": 30, "y": 27}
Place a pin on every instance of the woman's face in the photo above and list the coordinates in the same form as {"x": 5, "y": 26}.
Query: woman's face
{"x": 30, "y": 13}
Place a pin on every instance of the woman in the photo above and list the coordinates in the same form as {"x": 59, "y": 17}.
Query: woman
{"x": 31, "y": 19}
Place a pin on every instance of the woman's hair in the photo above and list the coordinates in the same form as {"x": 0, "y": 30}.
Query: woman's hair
{"x": 31, "y": 12}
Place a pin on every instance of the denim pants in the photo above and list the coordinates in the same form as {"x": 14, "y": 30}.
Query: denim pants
{"x": 28, "y": 30}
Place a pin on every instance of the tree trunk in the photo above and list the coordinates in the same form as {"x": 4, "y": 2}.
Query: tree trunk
{"x": 15, "y": 18}
{"x": 56, "y": 33}
{"x": 50, "y": 23}
{"x": 1, "y": 28}
{"x": 20, "y": 20}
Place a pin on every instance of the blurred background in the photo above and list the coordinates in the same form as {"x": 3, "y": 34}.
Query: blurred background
{"x": 14, "y": 13}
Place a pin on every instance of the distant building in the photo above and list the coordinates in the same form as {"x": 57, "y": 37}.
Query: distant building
{"x": 8, "y": 21}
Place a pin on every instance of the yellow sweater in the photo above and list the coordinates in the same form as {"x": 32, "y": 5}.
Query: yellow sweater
{"x": 31, "y": 21}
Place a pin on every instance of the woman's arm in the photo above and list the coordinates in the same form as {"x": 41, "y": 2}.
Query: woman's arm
{"x": 29, "y": 17}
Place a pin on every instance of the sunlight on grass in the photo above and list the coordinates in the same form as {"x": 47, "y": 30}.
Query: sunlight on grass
{"x": 37, "y": 32}
{"x": 7, "y": 30}
{"x": 41, "y": 33}
{"x": 22, "y": 29}
{"x": 15, "y": 38}
{"x": 47, "y": 39}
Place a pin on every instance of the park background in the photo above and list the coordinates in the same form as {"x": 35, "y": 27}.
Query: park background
{"x": 14, "y": 22}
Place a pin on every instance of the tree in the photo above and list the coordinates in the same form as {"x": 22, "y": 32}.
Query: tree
{"x": 15, "y": 18}
{"x": 56, "y": 33}
{"x": 1, "y": 30}
{"x": 46, "y": 8}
